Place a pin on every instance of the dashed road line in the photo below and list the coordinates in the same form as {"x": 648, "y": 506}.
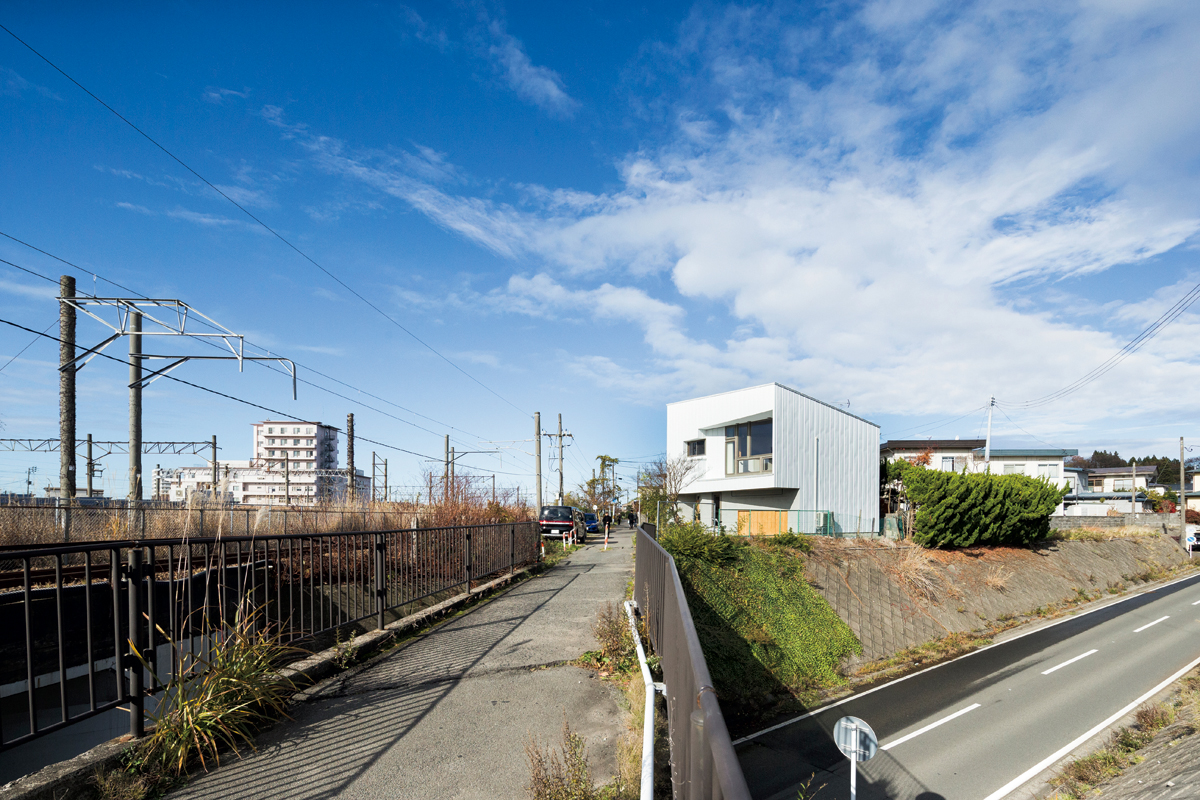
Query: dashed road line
{"x": 1071, "y": 661}
{"x": 929, "y": 727}
{"x": 1148, "y": 624}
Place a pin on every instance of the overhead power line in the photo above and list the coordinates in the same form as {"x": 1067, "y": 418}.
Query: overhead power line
{"x": 252, "y": 344}
{"x": 225, "y": 395}
{"x": 258, "y": 221}
{"x": 1131, "y": 347}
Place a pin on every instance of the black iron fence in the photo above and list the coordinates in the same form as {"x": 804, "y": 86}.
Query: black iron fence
{"x": 24, "y": 525}
{"x": 703, "y": 762}
{"x": 70, "y": 613}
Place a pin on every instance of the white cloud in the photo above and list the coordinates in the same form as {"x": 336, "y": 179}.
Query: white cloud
{"x": 217, "y": 95}
{"x": 887, "y": 203}
{"x": 541, "y": 86}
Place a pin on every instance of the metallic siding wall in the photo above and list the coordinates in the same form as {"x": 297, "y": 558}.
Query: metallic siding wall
{"x": 841, "y": 473}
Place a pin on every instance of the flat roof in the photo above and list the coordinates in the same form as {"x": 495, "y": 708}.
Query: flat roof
{"x": 1046, "y": 453}
{"x": 932, "y": 444}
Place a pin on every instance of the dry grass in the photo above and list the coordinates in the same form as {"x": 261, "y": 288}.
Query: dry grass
{"x": 561, "y": 774}
{"x": 460, "y": 502}
{"x": 1104, "y": 534}
{"x": 997, "y": 578}
{"x": 1080, "y": 778}
{"x": 915, "y": 571}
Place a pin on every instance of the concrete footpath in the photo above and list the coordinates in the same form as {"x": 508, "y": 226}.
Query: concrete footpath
{"x": 447, "y": 715}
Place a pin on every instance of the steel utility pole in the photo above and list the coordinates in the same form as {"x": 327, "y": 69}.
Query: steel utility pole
{"x": 537, "y": 450}
{"x": 446, "y": 470}
{"x": 135, "y": 409}
{"x": 453, "y": 485}
{"x": 287, "y": 480}
{"x": 352, "y": 485}
{"x": 561, "y": 500}
{"x": 216, "y": 476}
{"x": 66, "y": 403}
{"x": 987, "y": 445}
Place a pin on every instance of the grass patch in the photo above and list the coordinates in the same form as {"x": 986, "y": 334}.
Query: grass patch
{"x": 926, "y": 653}
{"x": 1080, "y": 778}
{"x": 1103, "y": 534}
{"x": 765, "y": 632}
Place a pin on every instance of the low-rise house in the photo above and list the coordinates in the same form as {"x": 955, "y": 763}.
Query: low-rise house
{"x": 1103, "y": 491}
{"x": 946, "y": 455}
{"x": 768, "y": 459}
{"x": 1036, "y": 463}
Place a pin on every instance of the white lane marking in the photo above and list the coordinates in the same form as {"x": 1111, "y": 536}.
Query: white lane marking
{"x": 929, "y": 727}
{"x": 1197, "y": 603}
{"x": 1069, "y": 661}
{"x": 1031, "y": 631}
{"x": 1016, "y": 782}
{"x": 1148, "y": 624}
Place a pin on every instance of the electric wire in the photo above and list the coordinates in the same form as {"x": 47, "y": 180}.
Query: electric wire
{"x": 36, "y": 339}
{"x": 264, "y": 225}
{"x": 1131, "y": 347}
{"x": 227, "y": 396}
{"x": 941, "y": 423}
{"x": 264, "y": 350}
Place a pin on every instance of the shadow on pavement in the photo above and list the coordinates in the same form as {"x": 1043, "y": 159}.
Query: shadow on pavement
{"x": 346, "y": 728}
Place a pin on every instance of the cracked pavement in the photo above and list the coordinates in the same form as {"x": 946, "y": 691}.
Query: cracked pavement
{"x": 448, "y": 714}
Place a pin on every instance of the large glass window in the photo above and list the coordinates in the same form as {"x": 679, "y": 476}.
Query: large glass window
{"x": 749, "y": 447}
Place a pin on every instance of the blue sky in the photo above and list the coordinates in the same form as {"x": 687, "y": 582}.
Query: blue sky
{"x": 906, "y": 206}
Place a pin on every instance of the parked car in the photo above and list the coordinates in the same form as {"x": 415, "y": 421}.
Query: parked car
{"x": 591, "y": 523}
{"x": 561, "y": 520}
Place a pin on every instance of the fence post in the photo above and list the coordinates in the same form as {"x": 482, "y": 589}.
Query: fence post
{"x": 380, "y": 576}
{"x": 699, "y": 760}
{"x": 133, "y": 587}
{"x": 202, "y": 522}
{"x": 512, "y": 549}
{"x": 467, "y": 558}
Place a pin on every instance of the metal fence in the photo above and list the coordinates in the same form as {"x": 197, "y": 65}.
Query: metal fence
{"x": 703, "y": 762}
{"x": 24, "y": 525}
{"x": 69, "y": 613}
{"x": 764, "y": 522}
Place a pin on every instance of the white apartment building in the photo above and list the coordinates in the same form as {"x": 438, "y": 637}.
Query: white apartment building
{"x": 294, "y": 463}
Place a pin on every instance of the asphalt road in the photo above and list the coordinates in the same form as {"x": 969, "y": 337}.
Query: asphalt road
{"x": 982, "y": 726}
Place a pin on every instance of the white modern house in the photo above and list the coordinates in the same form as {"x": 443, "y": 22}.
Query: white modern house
{"x": 768, "y": 459}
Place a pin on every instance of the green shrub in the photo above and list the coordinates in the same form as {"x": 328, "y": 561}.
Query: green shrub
{"x": 796, "y": 541}
{"x": 692, "y": 540}
{"x": 965, "y": 509}
{"x": 757, "y": 607}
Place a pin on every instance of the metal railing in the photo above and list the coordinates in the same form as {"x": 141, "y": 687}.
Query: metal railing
{"x": 71, "y": 614}
{"x": 703, "y": 762}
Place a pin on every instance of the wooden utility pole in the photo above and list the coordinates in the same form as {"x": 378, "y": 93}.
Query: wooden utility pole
{"x": 1133, "y": 493}
{"x": 66, "y": 403}
{"x": 1183, "y": 500}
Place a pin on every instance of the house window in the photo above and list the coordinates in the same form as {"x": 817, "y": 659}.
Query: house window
{"x": 695, "y": 448}
{"x": 947, "y": 463}
{"x": 1048, "y": 471}
{"x": 1014, "y": 469}
{"x": 1095, "y": 484}
{"x": 1123, "y": 484}
{"x": 749, "y": 447}
{"x": 270, "y": 430}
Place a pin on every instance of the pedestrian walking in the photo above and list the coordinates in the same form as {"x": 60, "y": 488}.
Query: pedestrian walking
{"x": 607, "y": 522}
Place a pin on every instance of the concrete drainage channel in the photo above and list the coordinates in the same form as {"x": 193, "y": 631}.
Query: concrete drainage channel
{"x": 73, "y": 778}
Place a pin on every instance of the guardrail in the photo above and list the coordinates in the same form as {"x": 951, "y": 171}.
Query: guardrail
{"x": 703, "y": 762}
{"x": 69, "y": 613}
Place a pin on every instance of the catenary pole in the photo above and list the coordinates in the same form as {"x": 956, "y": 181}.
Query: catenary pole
{"x": 90, "y": 465}
{"x": 216, "y": 475}
{"x": 66, "y": 403}
{"x": 446, "y": 470}
{"x": 537, "y": 457}
{"x": 352, "y": 488}
{"x": 135, "y": 409}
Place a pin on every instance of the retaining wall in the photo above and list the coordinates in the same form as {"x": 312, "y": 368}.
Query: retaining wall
{"x": 1168, "y": 523}
{"x": 962, "y": 590}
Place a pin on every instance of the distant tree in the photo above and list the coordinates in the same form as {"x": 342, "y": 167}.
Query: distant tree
{"x": 1103, "y": 458}
{"x": 665, "y": 479}
{"x": 1168, "y": 468}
